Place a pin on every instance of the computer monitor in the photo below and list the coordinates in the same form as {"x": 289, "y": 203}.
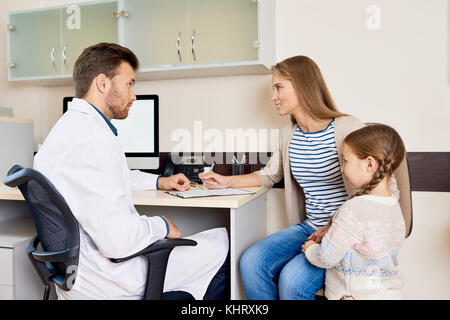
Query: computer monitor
{"x": 139, "y": 132}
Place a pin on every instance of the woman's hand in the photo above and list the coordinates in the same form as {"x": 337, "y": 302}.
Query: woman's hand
{"x": 214, "y": 180}
{"x": 307, "y": 244}
{"x": 318, "y": 235}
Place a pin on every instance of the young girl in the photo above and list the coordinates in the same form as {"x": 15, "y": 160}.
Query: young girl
{"x": 360, "y": 249}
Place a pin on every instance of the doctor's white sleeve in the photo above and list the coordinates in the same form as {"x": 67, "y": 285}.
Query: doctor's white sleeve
{"x": 142, "y": 180}
{"x": 97, "y": 195}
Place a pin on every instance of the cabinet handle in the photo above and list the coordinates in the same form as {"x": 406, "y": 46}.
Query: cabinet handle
{"x": 193, "y": 44}
{"x": 64, "y": 54}
{"x": 178, "y": 45}
{"x": 11, "y": 65}
{"x": 52, "y": 56}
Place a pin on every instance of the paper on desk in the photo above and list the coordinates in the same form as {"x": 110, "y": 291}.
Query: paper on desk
{"x": 196, "y": 193}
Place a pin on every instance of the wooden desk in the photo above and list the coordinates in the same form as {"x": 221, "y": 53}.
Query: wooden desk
{"x": 244, "y": 217}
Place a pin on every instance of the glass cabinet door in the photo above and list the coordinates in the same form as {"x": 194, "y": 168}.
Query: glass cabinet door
{"x": 83, "y": 25}
{"x": 34, "y": 43}
{"x": 222, "y": 31}
{"x": 154, "y": 30}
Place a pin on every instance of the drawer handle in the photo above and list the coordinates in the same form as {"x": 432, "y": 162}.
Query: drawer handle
{"x": 193, "y": 44}
{"x": 64, "y": 54}
{"x": 178, "y": 45}
{"x": 52, "y": 56}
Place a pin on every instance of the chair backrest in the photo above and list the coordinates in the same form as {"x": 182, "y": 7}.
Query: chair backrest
{"x": 403, "y": 177}
{"x": 56, "y": 226}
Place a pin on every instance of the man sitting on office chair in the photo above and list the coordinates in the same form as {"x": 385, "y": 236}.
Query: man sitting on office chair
{"x": 82, "y": 157}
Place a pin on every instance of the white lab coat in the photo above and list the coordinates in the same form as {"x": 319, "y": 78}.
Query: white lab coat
{"x": 84, "y": 160}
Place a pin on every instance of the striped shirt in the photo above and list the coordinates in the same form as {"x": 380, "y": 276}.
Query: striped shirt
{"x": 315, "y": 166}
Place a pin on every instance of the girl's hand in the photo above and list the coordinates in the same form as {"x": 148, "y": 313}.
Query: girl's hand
{"x": 307, "y": 244}
{"x": 318, "y": 235}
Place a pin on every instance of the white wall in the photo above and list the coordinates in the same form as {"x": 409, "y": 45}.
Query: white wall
{"x": 398, "y": 74}
{"x": 425, "y": 256}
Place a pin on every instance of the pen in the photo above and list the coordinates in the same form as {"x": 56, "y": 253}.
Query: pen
{"x": 235, "y": 160}
{"x": 243, "y": 159}
{"x": 207, "y": 169}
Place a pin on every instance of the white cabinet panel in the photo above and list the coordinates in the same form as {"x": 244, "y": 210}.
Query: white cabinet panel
{"x": 6, "y": 292}
{"x": 45, "y": 43}
{"x": 6, "y": 266}
{"x": 222, "y": 31}
{"x": 33, "y": 43}
{"x": 154, "y": 30}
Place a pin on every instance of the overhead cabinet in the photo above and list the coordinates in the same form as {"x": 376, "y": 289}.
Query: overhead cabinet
{"x": 33, "y": 44}
{"x": 45, "y": 43}
{"x": 171, "y": 38}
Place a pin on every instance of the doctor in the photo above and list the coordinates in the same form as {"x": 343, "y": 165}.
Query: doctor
{"x": 82, "y": 157}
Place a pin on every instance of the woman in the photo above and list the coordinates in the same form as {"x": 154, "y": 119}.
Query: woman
{"x": 307, "y": 158}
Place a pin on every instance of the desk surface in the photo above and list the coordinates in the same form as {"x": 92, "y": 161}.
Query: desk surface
{"x": 15, "y": 120}
{"x": 161, "y": 198}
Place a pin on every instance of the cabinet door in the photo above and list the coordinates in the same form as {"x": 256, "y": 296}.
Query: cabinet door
{"x": 83, "y": 25}
{"x": 34, "y": 43}
{"x": 152, "y": 29}
{"x": 222, "y": 31}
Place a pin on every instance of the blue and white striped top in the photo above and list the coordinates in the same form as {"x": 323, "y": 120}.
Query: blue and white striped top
{"x": 315, "y": 165}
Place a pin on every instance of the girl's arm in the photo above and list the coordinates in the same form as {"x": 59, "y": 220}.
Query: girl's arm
{"x": 335, "y": 244}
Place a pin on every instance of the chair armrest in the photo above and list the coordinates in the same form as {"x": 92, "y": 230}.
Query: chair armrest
{"x": 157, "y": 246}
{"x": 11, "y": 180}
{"x": 56, "y": 256}
{"x": 157, "y": 255}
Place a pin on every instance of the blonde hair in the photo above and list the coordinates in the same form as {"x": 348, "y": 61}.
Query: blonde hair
{"x": 382, "y": 143}
{"x": 309, "y": 85}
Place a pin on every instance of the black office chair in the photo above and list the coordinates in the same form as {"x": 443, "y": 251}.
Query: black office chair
{"x": 59, "y": 237}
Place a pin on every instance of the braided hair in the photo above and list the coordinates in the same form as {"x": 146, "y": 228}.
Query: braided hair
{"x": 382, "y": 143}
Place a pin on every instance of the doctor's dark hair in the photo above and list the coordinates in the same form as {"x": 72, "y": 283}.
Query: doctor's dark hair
{"x": 102, "y": 58}
{"x": 380, "y": 142}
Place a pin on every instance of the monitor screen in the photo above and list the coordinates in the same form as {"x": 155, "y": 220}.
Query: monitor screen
{"x": 139, "y": 132}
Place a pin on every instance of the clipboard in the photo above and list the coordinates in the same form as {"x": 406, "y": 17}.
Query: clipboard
{"x": 200, "y": 193}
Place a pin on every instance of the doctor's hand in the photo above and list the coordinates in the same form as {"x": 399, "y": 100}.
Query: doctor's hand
{"x": 214, "y": 180}
{"x": 177, "y": 182}
{"x": 174, "y": 232}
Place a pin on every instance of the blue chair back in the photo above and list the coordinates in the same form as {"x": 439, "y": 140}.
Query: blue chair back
{"x": 57, "y": 228}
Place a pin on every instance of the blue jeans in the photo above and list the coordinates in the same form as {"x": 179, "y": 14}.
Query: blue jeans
{"x": 275, "y": 267}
